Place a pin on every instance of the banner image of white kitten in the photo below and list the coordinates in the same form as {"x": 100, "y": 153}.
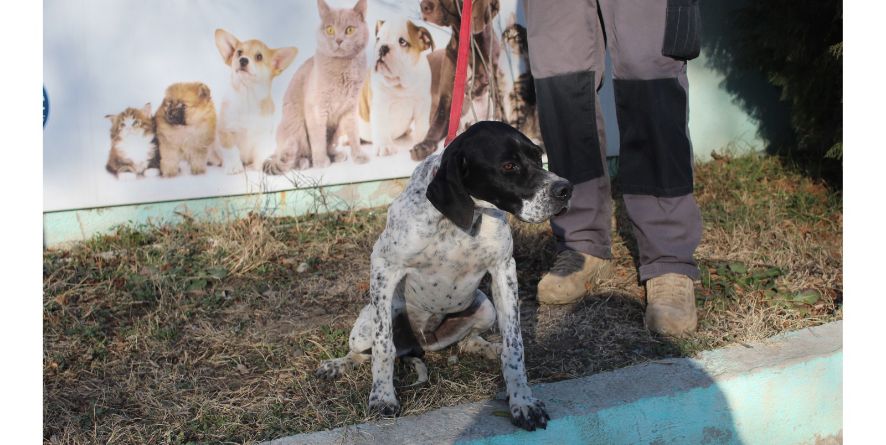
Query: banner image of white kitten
{"x": 320, "y": 103}
{"x": 133, "y": 143}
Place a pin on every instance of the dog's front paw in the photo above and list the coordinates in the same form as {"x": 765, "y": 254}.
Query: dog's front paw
{"x": 234, "y": 170}
{"x": 321, "y": 162}
{"x": 360, "y": 157}
{"x": 385, "y": 150}
{"x": 385, "y": 407}
{"x": 529, "y": 414}
{"x": 422, "y": 150}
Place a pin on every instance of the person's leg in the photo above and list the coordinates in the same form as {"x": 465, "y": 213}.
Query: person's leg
{"x": 566, "y": 57}
{"x": 655, "y": 158}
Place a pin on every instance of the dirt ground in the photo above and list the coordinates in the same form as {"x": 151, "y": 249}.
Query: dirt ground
{"x": 210, "y": 333}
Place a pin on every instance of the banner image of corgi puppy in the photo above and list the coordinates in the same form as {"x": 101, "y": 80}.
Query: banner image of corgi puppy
{"x": 133, "y": 142}
{"x": 397, "y": 97}
{"x": 186, "y": 128}
{"x": 246, "y": 117}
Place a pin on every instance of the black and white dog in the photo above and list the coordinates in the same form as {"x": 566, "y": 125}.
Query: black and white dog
{"x": 443, "y": 234}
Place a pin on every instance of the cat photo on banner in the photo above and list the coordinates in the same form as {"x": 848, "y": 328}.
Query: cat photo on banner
{"x": 234, "y": 98}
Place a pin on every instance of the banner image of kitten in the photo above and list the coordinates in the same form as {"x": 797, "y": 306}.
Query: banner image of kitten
{"x": 246, "y": 118}
{"x": 186, "y": 128}
{"x": 519, "y": 94}
{"x": 133, "y": 142}
{"x": 320, "y": 104}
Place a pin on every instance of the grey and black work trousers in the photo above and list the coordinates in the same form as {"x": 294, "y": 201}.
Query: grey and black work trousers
{"x": 649, "y": 42}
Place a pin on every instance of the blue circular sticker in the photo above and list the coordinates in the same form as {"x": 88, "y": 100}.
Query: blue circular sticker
{"x": 45, "y": 107}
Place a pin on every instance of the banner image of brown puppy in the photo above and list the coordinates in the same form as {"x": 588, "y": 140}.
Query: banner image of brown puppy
{"x": 320, "y": 104}
{"x": 483, "y": 67}
{"x": 396, "y": 99}
{"x": 246, "y": 118}
{"x": 133, "y": 142}
{"x": 186, "y": 128}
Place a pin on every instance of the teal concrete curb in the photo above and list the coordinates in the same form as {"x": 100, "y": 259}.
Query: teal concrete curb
{"x": 785, "y": 390}
{"x": 67, "y": 226}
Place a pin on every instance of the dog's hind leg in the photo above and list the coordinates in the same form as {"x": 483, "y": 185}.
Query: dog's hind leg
{"x": 360, "y": 345}
{"x": 465, "y": 328}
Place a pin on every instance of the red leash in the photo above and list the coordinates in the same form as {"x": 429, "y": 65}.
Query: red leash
{"x": 461, "y": 71}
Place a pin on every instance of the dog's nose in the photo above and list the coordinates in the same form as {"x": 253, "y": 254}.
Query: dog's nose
{"x": 383, "y": 51}
{"x": 244, "y": 61}
{"x": 561, "y": 189}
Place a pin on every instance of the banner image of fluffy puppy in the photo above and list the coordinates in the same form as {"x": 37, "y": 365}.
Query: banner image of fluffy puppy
{"x": 247, "y": 111}
{"x": 397, "y": 97}
{"x": 133, "y": 142}
{"x": 186, "y": 128}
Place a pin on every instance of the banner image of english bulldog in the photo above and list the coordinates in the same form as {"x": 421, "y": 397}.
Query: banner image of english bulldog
{"x": 169, "y": 100}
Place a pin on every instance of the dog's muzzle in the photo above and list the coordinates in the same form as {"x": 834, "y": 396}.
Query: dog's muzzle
{"x": 561, "y": 192}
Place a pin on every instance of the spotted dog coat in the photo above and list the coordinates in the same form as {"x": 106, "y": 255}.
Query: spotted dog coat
{"x": 444, "y": 233}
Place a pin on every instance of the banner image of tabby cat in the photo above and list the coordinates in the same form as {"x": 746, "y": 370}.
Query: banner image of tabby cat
{"x": 133, "y": 142}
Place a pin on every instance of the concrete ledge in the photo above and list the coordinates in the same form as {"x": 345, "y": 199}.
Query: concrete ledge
{"x": 64, "y": 227}
{"x": 786, "y": 390}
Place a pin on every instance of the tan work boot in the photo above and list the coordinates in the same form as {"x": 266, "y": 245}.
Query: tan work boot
{"x": 670, "y": 304}
{"x": 572, "y": 270}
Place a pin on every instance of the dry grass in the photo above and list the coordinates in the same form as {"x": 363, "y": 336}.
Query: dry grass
{"x": 211, "y": 332}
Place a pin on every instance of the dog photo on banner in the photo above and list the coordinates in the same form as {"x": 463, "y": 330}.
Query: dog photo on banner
{"x": 176, "y": 100}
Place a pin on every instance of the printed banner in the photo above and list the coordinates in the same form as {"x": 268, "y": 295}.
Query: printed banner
{"x": 169, "y": 99}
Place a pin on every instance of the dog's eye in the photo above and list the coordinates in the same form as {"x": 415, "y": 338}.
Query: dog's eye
{"x": 509, "y": 167}
{"x": 258, "y": 57}
{"x": 330, "y": 30}
{"x": 403, "y": 42}
{"x": 349, "y": 30}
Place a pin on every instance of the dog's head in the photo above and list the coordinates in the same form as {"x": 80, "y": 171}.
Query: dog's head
{"x": 447, "y": 13}
{"x": 399, "y": 45}
{"x": 252, "y": 62}
{"x": 493, "y": 162}
{"x": 182, "y": 99}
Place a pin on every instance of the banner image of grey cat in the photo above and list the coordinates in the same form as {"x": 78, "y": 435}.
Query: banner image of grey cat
{"x": 321, "y": 102}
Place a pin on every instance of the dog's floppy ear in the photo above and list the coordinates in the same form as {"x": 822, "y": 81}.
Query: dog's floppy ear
{"x": 360, "y": 8}
{"x": 482, "y": 14}
{"x": 447, "y": 191}
{"x": 226, "y": 44}
{"x": 282, "y": 58}
{"x": 421, "y": 34}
